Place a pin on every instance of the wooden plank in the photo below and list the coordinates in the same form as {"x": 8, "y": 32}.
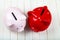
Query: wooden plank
{"x": 52, "y": 33}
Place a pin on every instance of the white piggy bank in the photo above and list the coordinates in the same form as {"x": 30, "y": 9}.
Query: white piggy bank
{"x": 15, "y": 20}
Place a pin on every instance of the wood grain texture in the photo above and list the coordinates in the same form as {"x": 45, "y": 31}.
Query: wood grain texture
{"x": 52, "y": 33}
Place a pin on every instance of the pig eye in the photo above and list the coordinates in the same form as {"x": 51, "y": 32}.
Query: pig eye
{"x": 14, "y": 16}
{"x": 42, "y": 12}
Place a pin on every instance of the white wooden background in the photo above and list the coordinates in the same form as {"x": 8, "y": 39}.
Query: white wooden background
{"x": 52, "y": 33}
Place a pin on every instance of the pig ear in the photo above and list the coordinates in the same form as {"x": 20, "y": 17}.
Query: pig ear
{"x": 30, "y": 13}
{"x": 45, "y": 7}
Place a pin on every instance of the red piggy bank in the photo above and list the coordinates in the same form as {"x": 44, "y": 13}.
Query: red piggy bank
{"x": 39, "y": 19}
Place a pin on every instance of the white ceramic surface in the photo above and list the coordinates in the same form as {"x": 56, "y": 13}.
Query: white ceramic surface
{"x": 14, "y": 19}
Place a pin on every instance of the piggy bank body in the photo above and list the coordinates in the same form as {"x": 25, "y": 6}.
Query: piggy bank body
{"x": 39, "y": 19}
{"x": 14, "y": 19}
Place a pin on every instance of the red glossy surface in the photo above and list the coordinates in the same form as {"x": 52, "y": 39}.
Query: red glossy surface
{"x": 39, "y": 19}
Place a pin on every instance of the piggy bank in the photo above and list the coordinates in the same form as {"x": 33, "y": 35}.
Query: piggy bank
{"x": 14, "y": 19}
{"x": 39, "y": 19}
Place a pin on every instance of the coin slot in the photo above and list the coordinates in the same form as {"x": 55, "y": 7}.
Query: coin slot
{"x": 42, "y": 12}
{"x": 14, "y": 16}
